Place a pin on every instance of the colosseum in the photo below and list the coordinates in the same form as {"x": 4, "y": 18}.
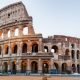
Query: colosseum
{"x": 26, "y": 52}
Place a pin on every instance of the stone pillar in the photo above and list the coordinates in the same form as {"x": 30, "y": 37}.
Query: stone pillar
{"x": 40, "y": 46}
{"x": 12, "y": 32}
{"x": 9, "y": 67}
{"x": 18, "y": 66}
{"x": 60, "y": 66}
{"x": 19, "y": 49}
{"x": 76, "y": 61}
{"x": 76, "y": 66}
{"x": 4, "y": 34}
{"x": 28, "y": 66}
{"x": 20, "y": 30}
{"x": 1, "y": 66}
{"x": 52, "y": 62}
{"x": 3, "y": 50}
{"x": 39, "y": 66}
{"x": 69, "y": 63}
{"x": 29, "y": 48}
{"x": 9, "y": 49}
{"x": 49, "y": 47}
{"x": 30, "y": 29}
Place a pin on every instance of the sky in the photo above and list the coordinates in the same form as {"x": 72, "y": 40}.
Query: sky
{"x": 52, "y": 17}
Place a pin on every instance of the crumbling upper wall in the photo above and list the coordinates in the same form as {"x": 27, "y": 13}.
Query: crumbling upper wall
{"x": 61, "y": 38}
{"x": 12, "y": 13}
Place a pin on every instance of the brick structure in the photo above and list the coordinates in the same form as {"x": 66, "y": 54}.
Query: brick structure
{"x": 24, "y": 51}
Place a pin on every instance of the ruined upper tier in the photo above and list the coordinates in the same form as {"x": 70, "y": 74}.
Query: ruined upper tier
{"x": 13, "y": 12}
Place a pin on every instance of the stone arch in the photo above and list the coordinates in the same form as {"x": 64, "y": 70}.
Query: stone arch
{"x": 25, "y": 30}
{"x": 56, "y": 66}
{"x": 78, "y": 68}
{"x": 34, "y": 67}
{"x": 73, "y": 68}
{"x": 15, "y": 49}
{"x": 16, "y": 32}
{"x": 0, "y": 50}
{"x": 78, "y": 54}
{"x": 1, "y": 35}
{"x": 13, "y": 67}
{"x": 45, "y": 67}
{"x": 64, "y": 67}
{"x": 5, "y": 66}
{"x": 34, "y": 47}
{"x": 73, "y": 54}
{"x": 6, "y": 49}
{"x": 23, "y": 66}
{"x": 72, "y": 45}
{"x": 55, "y": 48}
{"x": 24, "y": 48}
{"x": 67, "y": 52}
{"x": 45, "y": 48}
{"x": 8, "y": 33}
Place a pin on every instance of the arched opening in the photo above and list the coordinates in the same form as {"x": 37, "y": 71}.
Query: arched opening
{"x": 9, "y": 34}
{"x": 15, "y": 49}
{"x": 16, "y": 32}
{"x": 73, "y": 68}
{"x": 24, "y": 48}
{"x": 0, "y": 50}
{"x": 35, "y": 47}
{"x": 67, "y": 52}
{"x": 1, "y": 35}
{"x": 72, "y": 46}
{"x": 54, "y": 49}
{"x": 45, "y": 68}
{"x": 78, "y": 68}
{"x": 45, "y": 48}
{"x": 23, "y": 67}
{"x": 13, "y": 67}
{"x": 73, "y": 54}
{"x": 56, "y": 66}
{"x": 6, "y": 50}
{"x": 25, "y": 31}
{"x": 64, "y": 68}
{"x": 34, "y": 67}
{"x": 78, "y": 54}
{"x": 5, "y": 67}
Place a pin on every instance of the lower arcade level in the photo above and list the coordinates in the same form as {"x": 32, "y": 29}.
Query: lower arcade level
{"x": 38, "y": 65}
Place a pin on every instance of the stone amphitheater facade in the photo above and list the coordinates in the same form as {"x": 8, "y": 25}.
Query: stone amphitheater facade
{"x": 24, "y": 51}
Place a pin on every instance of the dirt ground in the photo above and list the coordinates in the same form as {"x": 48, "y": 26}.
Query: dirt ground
{"x": 37, "y": 78}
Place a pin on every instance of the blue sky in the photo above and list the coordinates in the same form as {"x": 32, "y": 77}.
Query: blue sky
{"x": 51, "y": 17}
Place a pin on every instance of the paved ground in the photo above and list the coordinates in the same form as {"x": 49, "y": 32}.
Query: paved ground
{"x": 36, "y": 78}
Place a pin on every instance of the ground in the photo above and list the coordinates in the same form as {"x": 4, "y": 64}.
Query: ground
{"x": 37, "y": 78}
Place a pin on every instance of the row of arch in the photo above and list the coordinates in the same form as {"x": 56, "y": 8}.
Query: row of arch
{"x": 45, "y": 67}
{"x": 54, "y": 49}
{"x": 73, "y": 53}
{"x": 24, "y": 48}
{"x": 16, "y": 32}
{"x": 74, "y": 68}
{"x": 34, "y": 67}
{"x": 35, "y": 49}
{"x": 77, "y": 54}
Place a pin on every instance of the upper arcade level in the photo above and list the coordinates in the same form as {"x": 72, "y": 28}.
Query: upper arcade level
{"x": 12, "y": 13}
{"x": 65, "y": 47}
{"x": 66, "y": 41}
{"x": 16, "y": 23}
{"x": 22, "y": 30}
